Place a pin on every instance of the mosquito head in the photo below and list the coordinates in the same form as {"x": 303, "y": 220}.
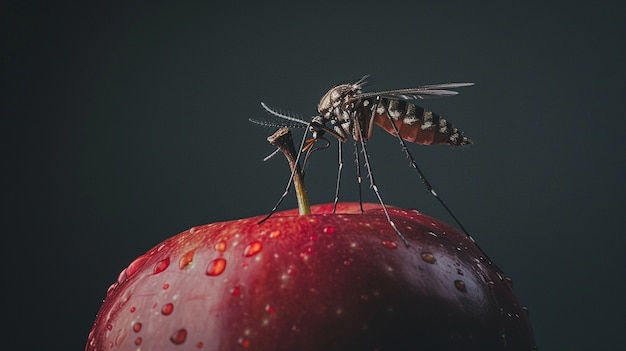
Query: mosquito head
{"x": 316, "y": 127}
{"x": 339, "y": 96}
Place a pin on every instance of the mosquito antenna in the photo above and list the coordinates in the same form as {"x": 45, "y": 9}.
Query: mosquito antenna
{"x": 276, "y": 124}
{"x": 283, "y": 116}
{"x": 293, "y": 171}
{"x": 375, "y": 188}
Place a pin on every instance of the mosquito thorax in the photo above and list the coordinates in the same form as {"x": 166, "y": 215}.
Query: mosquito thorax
{"x": 337, "y": 96}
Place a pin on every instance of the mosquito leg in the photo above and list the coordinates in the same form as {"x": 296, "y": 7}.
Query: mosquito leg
{"x": 340, "y": 167}
{"x": 380, "y": 199}
{"x": 282, "y": 197}
{"x": 429, "y": 187}
{"x": 359, "y": 178}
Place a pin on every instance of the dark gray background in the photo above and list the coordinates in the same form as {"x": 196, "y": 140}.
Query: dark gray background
{"x": 124, "y": 125}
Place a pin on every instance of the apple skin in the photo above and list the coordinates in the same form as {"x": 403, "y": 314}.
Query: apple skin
{"x": 323, "y": 281}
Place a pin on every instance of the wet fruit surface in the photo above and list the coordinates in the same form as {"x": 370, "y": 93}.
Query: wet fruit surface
{"x": 320, "y": 282}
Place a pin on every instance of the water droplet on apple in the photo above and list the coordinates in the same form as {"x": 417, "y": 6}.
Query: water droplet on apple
{"x": 296, "y": 329}
{"x": 236, "y": 291}
{"x": 390, "y": 244}
{"x": 162, "y": 265}
{"x": 221, "y": 246}
{"x": 186, "y": 260}
{"x": 134, "y": 266}
{"x": 200, "y": 345}
{"x": 111, "y": 288}
{"x": 291, "y": 270}
{"x": 109, "y": 327}
{"x": 138, "y": 341}
{"x": 179, "y": 336}
{"x": 133, "y": 309}
{"x": 313, "y": 237}
{"x": 460, "y": 285}
{"x": 491, "y": 284}
{"x": 167, "y": 309}
{"x": 428, "y": 257}
{"x": 243, "y": 342}
{"x": 328, "y": 230}
{"x": 216, "y": 267}
{"x": 274, "y": 234}
{"x": 166, "y": 286}
{"x": 253, "y": 249}
{"x": 347, "y": 262}
{"x": 269, "y": 309}
{"x": 137, "y": 327}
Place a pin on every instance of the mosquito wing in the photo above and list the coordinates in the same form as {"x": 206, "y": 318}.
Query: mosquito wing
{"x": 421, "y": 92}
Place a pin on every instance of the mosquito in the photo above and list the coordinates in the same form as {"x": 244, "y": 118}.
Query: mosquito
{"x": 346, "y": 112}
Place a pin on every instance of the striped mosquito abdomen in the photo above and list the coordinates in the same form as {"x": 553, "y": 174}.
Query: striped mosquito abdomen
{"x": 415, "y": 124}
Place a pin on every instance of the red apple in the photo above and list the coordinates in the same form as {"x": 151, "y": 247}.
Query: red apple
{"x": 323, "y": 281}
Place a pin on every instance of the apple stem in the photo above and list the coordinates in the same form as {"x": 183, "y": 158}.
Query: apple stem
{"x": 283, "y": 140}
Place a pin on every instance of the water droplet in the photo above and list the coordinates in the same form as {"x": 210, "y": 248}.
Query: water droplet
{"x": 179, "y": 336}
{"x": 269, "y": 309}
{"x": 428, "y": 257}
{"x": 364, "y": 297}
{"x": 328, "y": 230}
{"x": 460, "y": 285}
{"x": 200, "y": 345}
{"x": 390, "y": 244}
{"x": 291, "y": 270}
{"x": 109, "y": 327}
{"x": 236, "y": 291}
{"x": 134, "y": 266}
{"x": 162, "y": 265}
{"x": 243, "y": 342}
{"x": 166, "y": 286}
{"x": 491, "y": 284}
{"x": 167, "y": 309}
{"x": 347, "y": 262}
{"x": 313, "y": 237}
{"x": 186, "y": 260}
{"x": 274, "y": 234}
{"x": 296, "y": 329}
{"x": 221, "y": 246}
{"x": 137, "y": 327}
{"x": 111, "y": 288}
{"x": 121, "y": 277}
{"x": 253, "y": 249}
{"x": 216, "y": 267}
{"x": 132, "y": 309}
{"x": 138, "y": 341}
{"x": 526, "y": 311}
